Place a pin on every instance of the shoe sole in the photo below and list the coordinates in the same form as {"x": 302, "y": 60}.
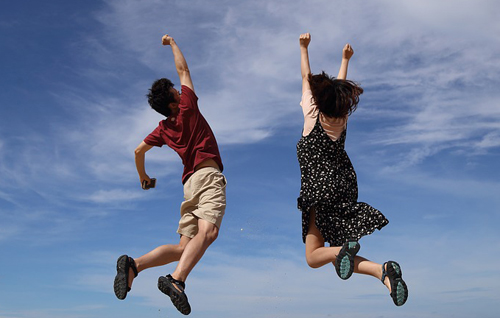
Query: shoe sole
{"x": 399, "y": 290}
{"x": 344, "y": 264}
{"x": 121, "y": 280}
{"x": 179, "y": 300}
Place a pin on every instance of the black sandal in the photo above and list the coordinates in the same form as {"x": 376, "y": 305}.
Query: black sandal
{"x": 177, "y": 295}
{"x": 399, "y": 290}
{"x": 123, "y": 264}
{"x": 344, "y": 263}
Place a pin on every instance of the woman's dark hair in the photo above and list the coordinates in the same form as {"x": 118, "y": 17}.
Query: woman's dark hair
{"x": 334, "y": 97}
{"x": 159, "y": 96}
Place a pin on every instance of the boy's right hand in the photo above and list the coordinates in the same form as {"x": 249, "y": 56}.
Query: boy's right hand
{"x": 146, "y": 179}
{"x": 304, "y": 40}
{"x": 148, "y": 185}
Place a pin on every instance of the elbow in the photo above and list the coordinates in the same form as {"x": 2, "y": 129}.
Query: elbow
{"x": 142, "y": 149}
{"x": 138, "y": 151}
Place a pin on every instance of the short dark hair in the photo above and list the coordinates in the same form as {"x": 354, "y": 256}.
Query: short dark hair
{"x": 159, "y": 96}
{"x": 334, "y": 97}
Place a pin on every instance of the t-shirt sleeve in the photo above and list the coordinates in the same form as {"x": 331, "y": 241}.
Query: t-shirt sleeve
{"x": 154, "y": 138}
{"x": 188, "y": 98}
{"x": 310, "y": 111}
{"x": 308, "y": 105}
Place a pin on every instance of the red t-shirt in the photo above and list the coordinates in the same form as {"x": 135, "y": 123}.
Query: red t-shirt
{"x": 188, "y": 133}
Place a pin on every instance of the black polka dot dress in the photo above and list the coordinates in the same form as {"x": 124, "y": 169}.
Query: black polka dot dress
{"x": 329, "y": 185}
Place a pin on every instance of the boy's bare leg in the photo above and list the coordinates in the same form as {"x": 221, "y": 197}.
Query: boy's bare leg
{"x": 160, "y": 256}
{"x": 195, "y": 248}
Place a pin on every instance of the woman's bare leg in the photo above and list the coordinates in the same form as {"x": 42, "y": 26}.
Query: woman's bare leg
{"x": 367, "y": 267}
{"x": 318, "y": 255}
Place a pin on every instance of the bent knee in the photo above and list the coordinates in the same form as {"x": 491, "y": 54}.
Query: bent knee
{"x": 179, "y": 248}
{"x": 311, "y": 262}
{"x": 209, "y": 235}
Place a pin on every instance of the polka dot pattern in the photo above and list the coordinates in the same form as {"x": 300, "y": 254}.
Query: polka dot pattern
{"x": 329, "y": 185}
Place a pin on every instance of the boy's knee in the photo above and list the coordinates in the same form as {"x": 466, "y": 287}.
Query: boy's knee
{"x": 182, "y": 244}
{"x": 180, "y": 248}
{"x": 213, "y": 234}
{"x": 210, "y": 234}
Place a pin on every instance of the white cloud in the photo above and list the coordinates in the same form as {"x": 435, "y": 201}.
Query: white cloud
{"x": 430, "y": 72}
{"x": 490, "y": 140}
{"x": 114, "y": 195}
{"x": 246, "y": 71}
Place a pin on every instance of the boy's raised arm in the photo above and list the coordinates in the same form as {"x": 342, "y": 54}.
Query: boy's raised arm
{"x": 180, "y": 62}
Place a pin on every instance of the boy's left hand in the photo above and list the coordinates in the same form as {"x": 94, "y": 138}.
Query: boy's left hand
{"x": 167, "y": 39}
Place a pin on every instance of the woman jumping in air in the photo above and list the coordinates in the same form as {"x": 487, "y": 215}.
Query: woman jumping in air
{"x": 329, "y": 189}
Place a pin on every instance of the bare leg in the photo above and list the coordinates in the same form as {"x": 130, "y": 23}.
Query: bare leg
{"x": 367, "y": 267}
{"x": 161, "y": 255}
{"x": 195, "y": 248}
{"x": 318, "y": 255}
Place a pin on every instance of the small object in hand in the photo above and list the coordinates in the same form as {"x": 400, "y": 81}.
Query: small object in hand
{"x": 151, "y": 184}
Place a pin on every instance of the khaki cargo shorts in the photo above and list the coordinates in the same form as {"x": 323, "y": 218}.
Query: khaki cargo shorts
{"x": 204, "y": 198}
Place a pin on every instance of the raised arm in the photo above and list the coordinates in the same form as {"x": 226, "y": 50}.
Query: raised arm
{"x": 180, "y": 62}
{"x": 347, "y": 52}
{"x": 305, "y": 69}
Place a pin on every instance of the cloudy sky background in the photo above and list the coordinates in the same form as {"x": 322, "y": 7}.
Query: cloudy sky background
{"x": 425, "y": 142}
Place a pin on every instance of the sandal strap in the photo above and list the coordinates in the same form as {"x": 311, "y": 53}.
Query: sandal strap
{"x": 177, "y": 282}
{"x": 133, "y": 266}
{"x": 181, "y": 284}
{"x": 384, "y": 272}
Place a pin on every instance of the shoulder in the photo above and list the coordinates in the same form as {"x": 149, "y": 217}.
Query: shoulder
{"x": 307, "y": 100}
{"x": 155, "y": 137}
{"x": 189, "y": 100}
{"x": 162, "y": 126}
{"x": 307, "y": 92}
{"x": 186, "y": 91}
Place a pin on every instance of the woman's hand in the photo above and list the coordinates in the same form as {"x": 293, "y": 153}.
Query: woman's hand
{"x": 347, "y": 52}
{"x": 304, "y": 40}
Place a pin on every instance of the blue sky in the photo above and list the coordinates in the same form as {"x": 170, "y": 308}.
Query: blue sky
{"x": 425, "y": 142}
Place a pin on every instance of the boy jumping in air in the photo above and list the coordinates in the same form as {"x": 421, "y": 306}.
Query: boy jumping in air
{"x": 186, "y": 131}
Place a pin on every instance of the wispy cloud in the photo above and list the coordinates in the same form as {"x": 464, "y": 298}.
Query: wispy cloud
{"x": 430, "y": 73}
{"x": 245, "y": 72}
{"x": 107, "y": 196}
{"x": 278, "y": 283}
